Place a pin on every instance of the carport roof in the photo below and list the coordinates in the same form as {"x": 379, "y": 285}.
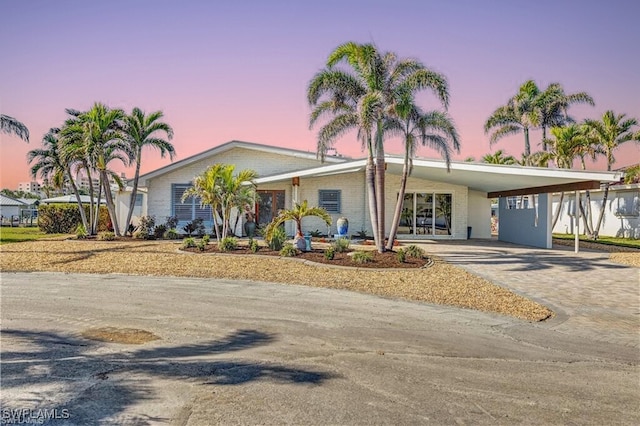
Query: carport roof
{"x": 495, "y": 180}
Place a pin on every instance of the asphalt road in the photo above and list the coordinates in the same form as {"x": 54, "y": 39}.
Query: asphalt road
{"x": 247, "y": 353}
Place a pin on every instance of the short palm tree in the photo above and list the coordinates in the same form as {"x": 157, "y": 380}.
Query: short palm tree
{"x": 10, "y": 125}
{"x": 142, "y": 131}
{"x": 498, "y": 157}
{"x": 296, "y": 214}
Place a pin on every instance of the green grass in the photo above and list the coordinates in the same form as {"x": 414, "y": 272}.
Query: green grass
{"x": 18, "y": 235}
{"x": 613, "y": 241}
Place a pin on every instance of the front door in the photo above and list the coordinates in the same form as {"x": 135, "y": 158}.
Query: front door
{"x": 269, "y": 205}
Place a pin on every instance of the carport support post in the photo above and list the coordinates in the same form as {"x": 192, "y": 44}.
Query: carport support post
{"x": 576, "y": 227}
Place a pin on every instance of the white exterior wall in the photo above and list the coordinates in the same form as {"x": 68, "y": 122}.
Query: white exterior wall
{"x": 459, "y": 208}
{"x": 621, "y": 214}
{"x": 159, "y": 188}
{"x": 479, "y": 214}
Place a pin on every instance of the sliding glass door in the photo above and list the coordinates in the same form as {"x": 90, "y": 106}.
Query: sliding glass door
{"x": 426, "y": 213}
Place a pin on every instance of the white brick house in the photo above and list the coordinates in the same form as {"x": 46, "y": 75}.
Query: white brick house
{"x": 438, "y": 204}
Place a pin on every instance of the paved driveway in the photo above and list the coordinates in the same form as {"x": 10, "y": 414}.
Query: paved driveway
{"x": 247, "y": 353}
{"x": 593, "y": 297}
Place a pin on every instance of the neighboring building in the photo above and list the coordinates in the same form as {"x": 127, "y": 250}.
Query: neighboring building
{"x": 437, "y": 205}
{"x": 82, "y": 183}
{"x": 31, "y": 187}
{"x": 10, "y": 210}
{"x": 621, "y": 213}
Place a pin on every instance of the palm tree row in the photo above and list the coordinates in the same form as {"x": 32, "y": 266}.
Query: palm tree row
{"x": 373, "y": 93}
{"x": 89, "y": 142}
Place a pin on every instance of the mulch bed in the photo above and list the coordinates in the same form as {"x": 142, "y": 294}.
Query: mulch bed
{"x": 384, "y": 260}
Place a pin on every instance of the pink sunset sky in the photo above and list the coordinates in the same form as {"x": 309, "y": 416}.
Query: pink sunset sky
{"x": 239, "y": 70}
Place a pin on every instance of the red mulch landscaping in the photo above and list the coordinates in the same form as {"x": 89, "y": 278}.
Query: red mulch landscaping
{"x": 380, "y": 260}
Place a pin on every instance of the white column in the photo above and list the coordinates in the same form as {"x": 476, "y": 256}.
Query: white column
{"x": 576, "y": 228}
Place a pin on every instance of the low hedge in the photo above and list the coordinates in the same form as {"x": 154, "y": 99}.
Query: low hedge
{"x": 65, "y": 218}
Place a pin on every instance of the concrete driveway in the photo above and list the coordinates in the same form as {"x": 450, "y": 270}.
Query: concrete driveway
{"x": 247, "y": 353}
{"x": 591, "y": 296}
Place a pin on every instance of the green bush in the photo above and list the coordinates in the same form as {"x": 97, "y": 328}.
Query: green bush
{"x": 362, "y": 257}
{"x": 340, "y": 245}
{"x": 277, "y": 240}
{"x": 329, "y": 253}
{"x": 401, "y": 256}
{"x": 170, "y": 234}
{"x": 206, "y": 239}
{"x": 81, "y": 233}
{"x": 228, "y": 244}
{"x": 253, "y": 245}
{"x": 158, "y": 231}
{"x": 64, "y": 218}
{"x": 106, "y": 236}
{"x": 202, "y": 245}
{"x": 288, "y": 250}
{"x": 188, "y": 242}
{"x": 414, "y": 251}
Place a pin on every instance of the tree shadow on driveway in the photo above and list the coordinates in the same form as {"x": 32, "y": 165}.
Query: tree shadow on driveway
{"x": 59, "y": 371}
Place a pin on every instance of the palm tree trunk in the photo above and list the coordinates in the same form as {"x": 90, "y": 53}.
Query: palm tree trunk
{"x": 399, "y": 203}
{"x": 110, "y": 206}
{"x": 544, "y": 138}
{"x": 92, "y": 231}
{"x": 379, "y": 188}
{"x": 596, "y": 230}
{"x": 83, "y": 215}
{"x": 134, "y": 191}
{"x": 527, "y": 145}
{"x": 587, "y": 230}
{"x": 371, "y": 194}
{"x": 589, "y": 212}
{"x": 96, "y": 216}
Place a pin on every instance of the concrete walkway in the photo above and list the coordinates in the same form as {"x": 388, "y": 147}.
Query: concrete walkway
{"x": 592, "y": 297}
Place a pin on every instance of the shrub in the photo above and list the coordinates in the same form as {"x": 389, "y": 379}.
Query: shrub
{"x": 340, "y": 245}
{"x": 106, "y": 236}
{"x": 316, "y": 233}
{"x": 362, "y": 234}
{"x": 65, "y": 218}
{"x": 188, "y": 242}
{"x": 253, "y": 245}
{"x": 228, "y": 244}
{"x": 329, "y": 253}
{"x": 147, "y": 223}
{"x": 362, "y": 257}
{"x": 196, "y": 226}
{"x": 205, "y": 239}
{"x": 159, "y": 231}
{"x": 140, "y": 234}
{"x": 288, "y": 250}
{"x": 414, "y": 251}
{"x": 81, "y": 233}
{"x": 202, "y": 245}
{"x": 401, "y": 256}
{"x": 278, "y": 237}
{"x": 170, "y": 234}
{"x": 171, "y": 222}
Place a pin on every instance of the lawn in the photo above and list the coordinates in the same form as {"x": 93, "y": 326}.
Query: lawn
{"x": 18, "y": 235}
{"x": 622, "y": 242}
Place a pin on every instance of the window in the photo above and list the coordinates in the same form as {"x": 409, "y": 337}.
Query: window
{"x": 190, "y": 209}
{"x": 329, "y": 199}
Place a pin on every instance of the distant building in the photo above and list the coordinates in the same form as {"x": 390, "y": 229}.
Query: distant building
{"x": 31, "y": 187}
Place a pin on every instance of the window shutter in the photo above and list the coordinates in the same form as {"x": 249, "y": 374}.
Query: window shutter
{"x": 329, "y": 199}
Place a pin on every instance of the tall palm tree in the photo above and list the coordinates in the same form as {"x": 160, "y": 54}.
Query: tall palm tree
{"x": 143, "y": 131}
{"x": 205, "y": 187}
{"x": 498, "y": 157}
{"x": 296, "y": 214}
{"x": 609, "y": 133}
{"x": 10, "y": 125}
{"x": 362, "y": 97}
{"x": 553, "y": 104}
{"x": 434, "y": 129}
{"x": 52, "y": 166}
{"x": 102, "y": 141}
{"x": 520, "y": 114}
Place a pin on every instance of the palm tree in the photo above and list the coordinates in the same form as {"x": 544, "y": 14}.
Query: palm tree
{"x": 434, "y": 129}
{"x": 362, "y": 97}
{"x": 520, "y": 114}
{"x": 142, "y": 131}
{"x": 11, "y": 125}
{"x": 553, "y": 104}
{"x": 296, "y": 214}
{"x": 102, "y": 141}
{"x": 218, "y": 187}
{"x": 609, "y": 133}
{"x": 499, "y": 158}
{"x": 52, "y": 166}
